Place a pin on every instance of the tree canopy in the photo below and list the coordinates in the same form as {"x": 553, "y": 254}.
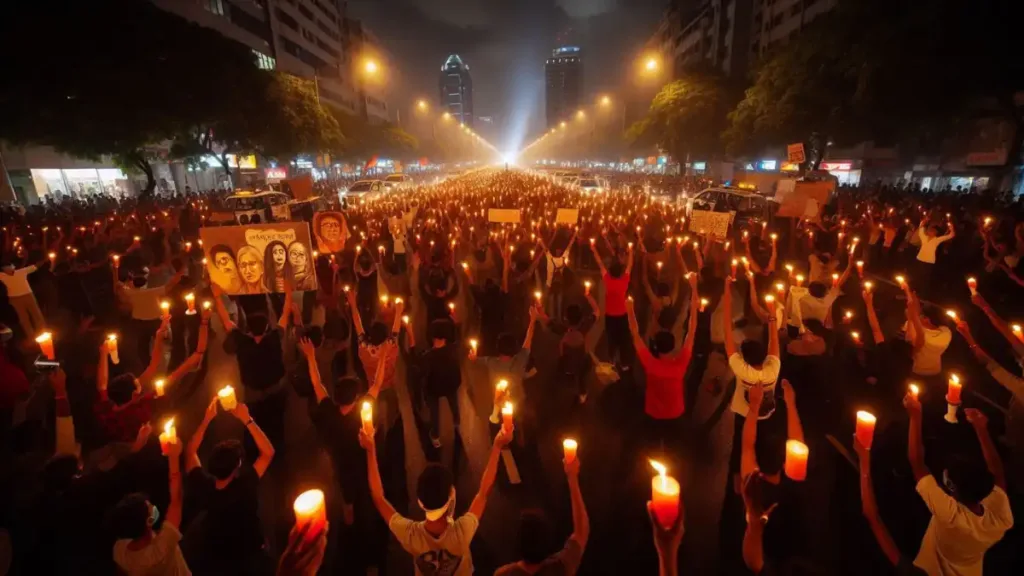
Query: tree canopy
{"x": 685, "y": 118}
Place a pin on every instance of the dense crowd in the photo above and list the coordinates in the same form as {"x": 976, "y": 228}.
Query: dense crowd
{"x": 577, "y": 355}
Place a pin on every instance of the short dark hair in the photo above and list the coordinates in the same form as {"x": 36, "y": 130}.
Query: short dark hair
{"x": 507, "y": 344}
{"x": 315, "y": 335}
{"x": 129, "y": 519}
{"x": 257, "y": 323}
{"x": 616, "y": 269}
{"x": 815, "y": 327}
{"x": 534, "y": 536}
{"x": 662, "y": 290}
{"x": 336, "y": 328}
{"x": 218, "y": 248}
{"x": 933, "y": 314}
{"x": 573, "y": 314}
{"x": 377, "y": 333}
{"x": 434, "y": 487}
{"x": 971, "y": 482}
{"x": 121, "y": 388}
{"x": 663, "y": 342}
{"x": 754, "y": 352}
{"x": 59, "y": 472}
{"x": 225, "y": 459}
{"x": 817, "y": 289}
{"x": 347, "y": 389}
{"x": 440, "y": 329}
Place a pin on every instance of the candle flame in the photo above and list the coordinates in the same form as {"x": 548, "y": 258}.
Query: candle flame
{"x": 502, "y": 385}
{"x": 44, "y": 337}
{"x": 169, "y": 426}
{"x": 309, "y": 501}
{"x": 865, "y": 416}
{"x": 954, "y": 378}
{"x": 506, "y": 410}
{"x": 225, "y": 391}
{"x": 951, "y": 314}
{"x": 915, "y": 390}
{"x": 112, "y": 337}
{"x": 659, "y": 468}
{"x": 570, "y": 444}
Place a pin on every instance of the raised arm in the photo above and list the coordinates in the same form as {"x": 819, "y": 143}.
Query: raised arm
{"x": 634, "y": 328}
{"x": 286, "y": 310}
{"x": 528, "y": 341}
{"x": 748, "y": 453}
{"x": 580, "y": 519}
{"x": 479, "y": 503}
{"x": 597, "y": 258}
{"x": 915, "y": 446}
{"x": 914, "y": 317}
{"x": 266, "y": 449}
{"x": 999, "y": 324}
{"x": 158, "y": 353}
{"x": 378, "y": 377}
{"x": 646, "y": 282}
{"x": 794, "y": 430}
{"x": 173, "y": 516}
{"x": 196, "y": 358}
{"x": 309, "y": 351}
{"x": 759, "y": 311}
{"x": 691, "y": 329}
{"x": 730, "y": 344}
{"x": 384, "y": 508}
{"x": 988, "y": 449}
{"x": 876, "y": 328}
{"x": 869, "y": 506}
{"x": 357, "y": 319}
{"x": 192, "y": 450}
{"x": 222, "y": 311}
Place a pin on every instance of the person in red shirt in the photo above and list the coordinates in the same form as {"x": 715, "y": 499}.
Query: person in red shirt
{"x": 665, "y": 370}
{"x": 616, "y": 283}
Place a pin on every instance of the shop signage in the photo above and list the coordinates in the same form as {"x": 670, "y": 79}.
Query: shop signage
{"x": 790, "y": 167}
{"x": 795, "y": 153}
{"x": 768, "y": 164}
{"x": 839, "y": 166}
{"x": 275, "y": 174}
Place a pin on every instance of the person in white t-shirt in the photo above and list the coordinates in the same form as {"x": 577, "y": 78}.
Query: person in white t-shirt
{"x": 928, "y": 338}
{"x": 440, "y": 544}
{"x": 141, "y": 550}
{"x": 926, "y": 255}
{"x": 752, "y": 363}
{"x": 21, "y": 297}
{"x": 970, "y": 510}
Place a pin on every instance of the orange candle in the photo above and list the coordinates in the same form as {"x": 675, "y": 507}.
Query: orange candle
{"x": 796, "y": 460}
{"x": 165, "y": 309}
{"x": 953, "y": 392}
{"x": 158, "y": 385}
{"x": 735, "y": 263}
{"x": 769, "y": 300}
{"x": 168, "y": 437}
{"x": 112, "y": 348}
{"x": 310, "y": 511}
{"x": 860, "y": 267}
{"x": 799, "y": 279}
{"x": 586, "y": 287}
{"x": 190, "y": 299}
{"x": 972, "y": 285}
{"x": 227, "y": 398}
{"x": 117, "y": 261}
{"x": 45, "y": 341}
{"x": 835, "y": 280}
{"x": 664, "y": 496}
{"x": 865, "y": 428}
{"x": 1018, "y": 332}
{"x": 366, "y": 414}
{"x": 867, "y": 285}
{"x": 506, "y": 417}
{"x": 569, "y": 447}
{"x": 473, "y": 344}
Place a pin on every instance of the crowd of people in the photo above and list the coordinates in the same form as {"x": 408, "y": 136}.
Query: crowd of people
{"x": 152, "y": 424}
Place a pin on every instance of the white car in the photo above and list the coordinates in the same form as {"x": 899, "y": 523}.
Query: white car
{"x": 592, "y": 184}
{"x": 362, "y": 188}
{"x": 397, "y": 182}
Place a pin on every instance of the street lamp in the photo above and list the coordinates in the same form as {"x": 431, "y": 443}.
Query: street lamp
{"x": 446, "y": 116}
{"x": 563, "y": 124}
{"x": 606, "y": 101}
{"x": 422, "y": 104}
{"x": 371, "y": 67}
{"x": 581, "y": 115}
{"x": 651, "y": 65}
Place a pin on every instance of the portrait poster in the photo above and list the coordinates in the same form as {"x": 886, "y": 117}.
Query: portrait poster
{"x": 805, "y": 200}
{"x": 256, "y": 259}
{"x": 716, "y": 224}
{"x": 331, "y": 231}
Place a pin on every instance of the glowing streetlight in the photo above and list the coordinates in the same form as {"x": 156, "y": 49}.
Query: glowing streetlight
{"x": 422, "y": 104}
{"x": 606, "y": 101}
{"x": 581, "y": 115}
{"x": 651, "y": 64}
{"x": 371, "y": 67}
{"x": 446, "y": 116}
{"x": 563, "y": 124}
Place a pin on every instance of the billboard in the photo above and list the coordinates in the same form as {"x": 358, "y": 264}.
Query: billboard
{"x": 256, "y": 259}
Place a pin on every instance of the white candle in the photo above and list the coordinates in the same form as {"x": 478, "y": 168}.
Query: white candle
{"x": 227, "y": 398}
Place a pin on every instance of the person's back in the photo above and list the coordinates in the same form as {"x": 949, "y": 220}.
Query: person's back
{"x": 446, "y": 554}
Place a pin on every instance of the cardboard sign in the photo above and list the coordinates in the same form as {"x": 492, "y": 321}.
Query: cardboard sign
{"x": 503, "y": 215}
{"x": 300, "y": 186}
{"x": 795, "y": 153}
{"x": 567, "y": 216}
{"x": 805, "y": 200}
{"x": 331, "y": 231}
{"x": 256, "y": 259}
{"x": 716, "y": 224}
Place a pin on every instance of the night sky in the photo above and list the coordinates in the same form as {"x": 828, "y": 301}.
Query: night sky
{"x": 505, "y": 43}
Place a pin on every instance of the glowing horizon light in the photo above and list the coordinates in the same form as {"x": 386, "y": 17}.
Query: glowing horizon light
{"x": 371, "y": 67}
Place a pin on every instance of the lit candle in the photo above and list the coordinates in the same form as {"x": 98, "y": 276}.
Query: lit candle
{"x": 774, "y": 237}
{"x": 847, "y": 317}
{"x": 45, "y": 341}
{"x": 52, "y": 256}
{"x": 112, "y": 348}
{"x": 865, "y": 428}
{"x": 953, "y": 392}
{"x": 316, "y": 254}
{"x": 465, "y": 265}
{"x": 867, "y": 285}
{"x": 901, "y": 281}
{"x": 346, "y": 287}
{"x": 659, "y": 265}
{"x": 137, "y": 239}
{"x": 310, "y": 511}
{"x": 856, "y": 337}
{"x": 168, "y": 437}
{"x": 117, "y": 261}
{"x": 915, "y": 391}
{"x": 569, "y": 447}
{"x": 506, "y": 417}
{"x": 789, "y": 268}
{"x": 703, "y": 304}
{"x": 473, "y": 344}
{"x": 835, "y": 280}
{"x": 451, "y": 307}
{"x": 537, "y": 295}
{"x": 366, "y": 414}
{"x": 227, "y": 398}
{"x": 972, "y": 285}
{"x": 769, "y": 300}
{"x": 188, "y": 246}
{"x": 586, "y": 287}
{"x": 190, "y": 299}
{"x": 799, "y": 279}
{"x": 780, "y": 288}
{"x": 207, "y": 304}
{"x": 165, "y": 309}
{"x": 735, "y": 263}
{"x": 796, "y": 460}
{"x": 158, "y": 385}
{"x": 384, "y": 300}
{"x": 1018, "y": 332}
{"x": 951, "y": 314}
{"x": 860, "y": 267}
{"x": 664, "y": 496}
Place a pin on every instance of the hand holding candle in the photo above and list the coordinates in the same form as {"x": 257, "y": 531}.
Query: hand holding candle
{"x": 227, "y": 398}
{"x": 865, "y": 428}
{"x": 972, "y": 285}
{"x": 507, "y": 424}
{"x": 112, "y": 348}
{"x": 569, "y": 447}
{"x": 165, "y": 309}
{"x": 190, "y": 300}
{"x": 664, "y": 496}
{"x": 310, "y": 511}
{"x": 168, "y": 437}
{"x": 158, "y": 385}
{"x": 45, "y": 341}
{"x": 366, "y": 415}
{"x": 954, "y": 390}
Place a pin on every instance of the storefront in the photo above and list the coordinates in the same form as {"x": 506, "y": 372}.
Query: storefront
{"x": 846, "y": 171}
{"x": 79, "y": 181}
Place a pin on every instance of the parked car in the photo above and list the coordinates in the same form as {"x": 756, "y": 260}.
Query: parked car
{"x": 248, "y": 207}
{"x": 747, "y": 204}
{"x": 395, "y": 182}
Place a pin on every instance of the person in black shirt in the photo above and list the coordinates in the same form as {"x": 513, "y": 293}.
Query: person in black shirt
{"x": 492, "y": 301}
{"x": 261, "y": 363}
{"x": 442, "y": 375}
{"x": 337, "y": 423}
{"x": 233, "y": 540}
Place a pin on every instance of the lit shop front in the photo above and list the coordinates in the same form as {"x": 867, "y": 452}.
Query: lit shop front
{"x": 80, "y": 181}
{"x": 846, "y": 171}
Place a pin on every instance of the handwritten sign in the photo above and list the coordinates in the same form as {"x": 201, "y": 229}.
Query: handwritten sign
{"x": 805, "y": 200}
{"x": 715, "y": 224}
{"x": 503, "y": 215}
{"x": 259, "y": 258}
{"x": 567, "y": 216}
{"x": 259, "y": 237}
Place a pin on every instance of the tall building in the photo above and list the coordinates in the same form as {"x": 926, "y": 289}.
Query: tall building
{"x": 456, "y": 89}
{"x": 362, "y": 46}
{"x": 730, "y": 35}
{"x": 563, "y": 75}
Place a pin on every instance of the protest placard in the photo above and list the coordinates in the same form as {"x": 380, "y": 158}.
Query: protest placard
{"x": 258, "y": 258}
{"x": 503, "y": 215}
{"x": 716, "y": 224}
{"x": 567, "y": 216}
{"x": 804, "y": 200}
